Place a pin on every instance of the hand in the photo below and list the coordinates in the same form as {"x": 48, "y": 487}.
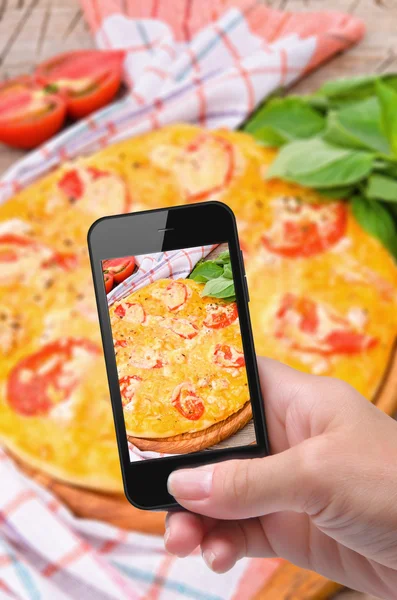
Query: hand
{"x": 326, "y": 499}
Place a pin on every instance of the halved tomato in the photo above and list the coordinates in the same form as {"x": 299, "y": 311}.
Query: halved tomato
{"x": 302, "y": 229}
{"x": 120, "y": 268}
{"x": 187, "y": 402}
{"x": 220, "y": 316}
{"x": 87, "y": 79}
{"x": 28, "y": 114}
{"x": 108, "y": 279}
{"x": 228, "y": 356}
{"x": 48, "y": 377}
{"x": 309, "y": 326}
{"x": 205, "y": 167}
{"x": 128, "y": 387}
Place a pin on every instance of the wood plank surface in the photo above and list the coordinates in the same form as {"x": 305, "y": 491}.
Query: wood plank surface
{"x": 33, "y": 30}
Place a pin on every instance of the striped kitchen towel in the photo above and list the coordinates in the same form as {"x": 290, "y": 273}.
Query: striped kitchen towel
{"x": 177, "y": 264}
{"x": 48, "y": 554}
{"x": 209, "y": 62}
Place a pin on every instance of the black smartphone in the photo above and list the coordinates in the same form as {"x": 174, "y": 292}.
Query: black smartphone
{"x": 173, "y": 300}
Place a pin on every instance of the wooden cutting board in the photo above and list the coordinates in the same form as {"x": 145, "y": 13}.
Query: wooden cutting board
{"x": 287, "y": 583}
{"x": 193, "y": 442}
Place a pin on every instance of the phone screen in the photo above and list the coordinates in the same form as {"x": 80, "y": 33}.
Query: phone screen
{"x": 179, "y": 352}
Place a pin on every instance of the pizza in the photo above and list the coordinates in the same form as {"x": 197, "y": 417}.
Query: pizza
{"x": 179, "y": 357}
{"x": 323, "y": 293}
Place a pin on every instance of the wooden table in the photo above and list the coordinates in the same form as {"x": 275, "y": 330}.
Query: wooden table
{"x": 32, "y": 30}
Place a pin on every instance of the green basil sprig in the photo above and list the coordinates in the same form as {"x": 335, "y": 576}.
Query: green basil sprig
{"x": 341, "y": 141}
{"x": 217, "y": 275}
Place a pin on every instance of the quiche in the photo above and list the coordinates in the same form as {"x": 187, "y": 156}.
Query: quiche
{"x": 179, "y": 358}
{"x": 323, "y": 292}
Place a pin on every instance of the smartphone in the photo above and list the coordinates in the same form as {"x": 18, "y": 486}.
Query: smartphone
{"x": 172, "y": 300}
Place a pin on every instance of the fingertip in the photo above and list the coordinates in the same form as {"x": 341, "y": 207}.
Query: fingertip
{"x": 184, "y": 533}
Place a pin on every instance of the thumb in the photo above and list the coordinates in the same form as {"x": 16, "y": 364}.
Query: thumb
{"x": 241, "y": 489}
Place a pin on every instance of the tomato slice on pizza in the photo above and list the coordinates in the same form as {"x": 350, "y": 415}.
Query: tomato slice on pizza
{"x": 94, "y": 191}
{"x": 187, "y": 402}
{"x": 205, "y": 167}
{"x": 228, "y": 356}
{"x": 131, "y": 312}
{"x": 21, "y": 257}
{"x": 175, "y": 295}
{"x": 128, "y": 387}
{"x": 220, "y": 316}
{"x": 309, "y": 326}
{"x": 47, "y": 378}
{"x": 145, "y": 358}
{"x": 301, "y": 229}
{"x": 184, "y": 328}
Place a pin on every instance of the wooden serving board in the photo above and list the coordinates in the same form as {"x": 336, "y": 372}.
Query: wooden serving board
{"x": 200, "y": 440}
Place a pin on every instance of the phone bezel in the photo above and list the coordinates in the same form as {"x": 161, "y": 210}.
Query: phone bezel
{"x": 186, "y": 226}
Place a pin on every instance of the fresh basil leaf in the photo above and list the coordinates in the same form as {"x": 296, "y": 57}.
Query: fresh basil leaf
{"x": 388, "y": 101}
{"x": 338, "y": 193}
{"x": 377, "y": 221}
{"x": 204, "y": 271}
{"x": 223, "y": 258}
{"x": 219, "y": 288}
{"x": 315, "y": 163}
{"x": 227, "y": 272}
{"x": 358, "y": 126}
{"x": 284, "y": 119}
{"x": 346, "y": 91}
{"x": 381, "y": 187}
{"x": 352, "y": 169}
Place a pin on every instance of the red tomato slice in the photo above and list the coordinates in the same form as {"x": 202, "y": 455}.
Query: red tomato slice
{"x": 186, "y": 401}
{"x": 110, "y": 196}
{"x": 108, "y": 279}
{"x": 121, "y": 268}
{"x": 220, "y": 316}
{"x": 132, "y": 312}
{"x": 120, "y": 344}
{"x": 184, "y": 328}
{"x": 28, "y": 115}
{"x": 206, "y": 167}
{"x": 142, "y": 358}
{"x": 302, "y": 229}
{"x": 71, "y": 185}
{"x": 48, "y": 377}
{"x": 175, "y": 295}
{"x": 228, "y": 356}
{"x": 311, "y": 327}
{"x": 19, "y": 255}
{"x": 128, "y": 387}
{"x": 87, "y": 79}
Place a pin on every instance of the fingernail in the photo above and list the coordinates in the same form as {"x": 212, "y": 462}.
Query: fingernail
{"x": 191, "y": 484}
{"x": 209, "y": 557}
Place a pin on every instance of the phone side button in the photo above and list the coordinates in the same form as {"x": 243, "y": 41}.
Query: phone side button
{"x": 247, "y": 294}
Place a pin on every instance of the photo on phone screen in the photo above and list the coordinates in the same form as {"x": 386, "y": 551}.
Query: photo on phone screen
{"x": 179, "y": 353}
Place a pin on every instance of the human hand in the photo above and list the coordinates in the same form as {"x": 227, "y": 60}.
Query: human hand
{"x": 326, "y": 499}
